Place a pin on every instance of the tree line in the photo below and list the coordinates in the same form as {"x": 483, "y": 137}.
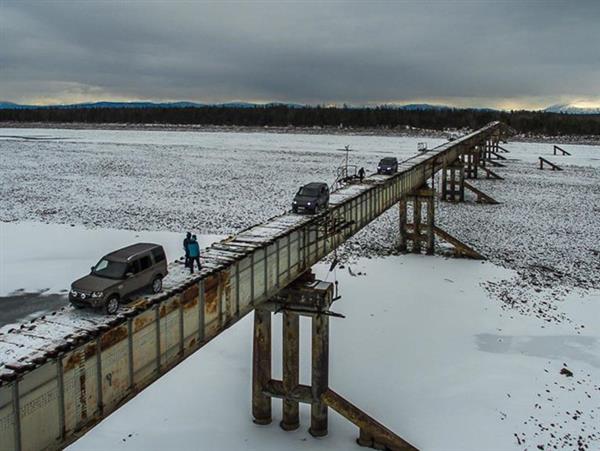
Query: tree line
{"x": 534, "y": 122}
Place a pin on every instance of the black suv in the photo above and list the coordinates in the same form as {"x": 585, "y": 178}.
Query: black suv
{"x": 388, "y": 165}
{"x": 312, "y": 198}
{"x": 120, "y": 274}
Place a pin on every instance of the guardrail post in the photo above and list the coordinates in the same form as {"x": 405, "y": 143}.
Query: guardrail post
{"x": 261, "y": 366}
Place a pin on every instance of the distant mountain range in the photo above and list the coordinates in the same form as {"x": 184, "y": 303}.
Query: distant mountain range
{"x": 570, "y": 109}
{"x": 564, "y": 108}
{"x": 16, "y": 106}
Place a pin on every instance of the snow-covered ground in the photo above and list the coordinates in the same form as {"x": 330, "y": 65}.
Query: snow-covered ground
{"x": 214, "y": 182}
{"x": 46, "y": 258}
{"x": 422, "y": 348}
{"x": 451, "y": 354}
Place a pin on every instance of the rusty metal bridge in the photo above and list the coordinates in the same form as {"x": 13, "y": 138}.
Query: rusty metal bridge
{"x": 62, "y": 373}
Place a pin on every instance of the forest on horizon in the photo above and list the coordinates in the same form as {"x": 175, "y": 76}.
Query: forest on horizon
{"x": 534, "y": 122}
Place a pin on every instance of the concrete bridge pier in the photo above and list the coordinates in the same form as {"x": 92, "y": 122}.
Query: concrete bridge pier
{"x": 419, "y": 232}
{"x": 291, "y": 369}
{"x": 305, "y": 297}
{"x": 261, "y": 366}
{"x": 311, "y": 298}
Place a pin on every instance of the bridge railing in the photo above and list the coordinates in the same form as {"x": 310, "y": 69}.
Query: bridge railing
{"x": 50, "y": 400}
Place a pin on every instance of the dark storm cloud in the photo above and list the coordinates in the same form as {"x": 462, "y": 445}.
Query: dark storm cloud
{"x": 354, "y": 52}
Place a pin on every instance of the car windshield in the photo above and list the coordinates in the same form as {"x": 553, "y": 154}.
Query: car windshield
{"x": 388, "y": 161}
{"x": 308, "y": 191}
{"x": 109, "y": 269}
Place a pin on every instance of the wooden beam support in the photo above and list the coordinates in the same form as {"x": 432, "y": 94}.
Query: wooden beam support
{"x": 491, "y": 174}
{"x": 372, "y": 433}
{"x": 481, "y": 196}
{"x": 460, "y": 248}
{"x": 553, "y": 166}
{"x": 564, "y": 152}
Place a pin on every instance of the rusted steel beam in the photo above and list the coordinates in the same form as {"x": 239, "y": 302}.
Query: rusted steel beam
{"x": 300, "y": 393}
{"x": 497, "y": 155}
{"x": 430, "y": 223}
{"x": 371, "y": 431}
{"x": 491, "y": 174}
{"x": 291, "y": 369}
{"x": 553, "y": 166}
{"x": 417, "y": 215}
{"x": 481, "y": 196}
{"x": 494, "y": 163}
{"x": 460, "y": 248}
{"x": 402, "y": 208}
{"x": 320, "y": 374}
{"x": 261, "y": 367}
{"x": 564, "y": 152}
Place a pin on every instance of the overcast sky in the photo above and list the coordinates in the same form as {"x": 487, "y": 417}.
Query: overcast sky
{"x": 469, "y": 53}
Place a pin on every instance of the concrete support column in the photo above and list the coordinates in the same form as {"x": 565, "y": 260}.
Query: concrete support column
{"x": 481, "y": 155}
{"x": 416, "y": 201}
{"x": 261, "y": 366}
{"x": 291, "y": 369}
{"x": 430, "y": 223}
{"x": 402, "y": 219}
{"x": 320, "y": 374}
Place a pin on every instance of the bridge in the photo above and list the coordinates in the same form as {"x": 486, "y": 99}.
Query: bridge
{"x": 62, "y": 373}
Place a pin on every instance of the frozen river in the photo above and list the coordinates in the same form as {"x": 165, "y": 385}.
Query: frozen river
{"x": 470, "y": 363}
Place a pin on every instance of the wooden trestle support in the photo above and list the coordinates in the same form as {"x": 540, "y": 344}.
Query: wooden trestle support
{"x": 311, "y": 298}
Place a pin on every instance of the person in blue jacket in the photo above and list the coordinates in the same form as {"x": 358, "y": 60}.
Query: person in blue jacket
{"x": 186, "y": 242}
{"x": 194, "y": 253}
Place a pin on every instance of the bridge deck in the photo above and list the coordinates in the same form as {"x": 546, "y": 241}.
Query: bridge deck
{"x": 76, "y": 366}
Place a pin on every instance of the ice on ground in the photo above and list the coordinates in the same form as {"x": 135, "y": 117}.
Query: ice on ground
{"x": 445, "y": 367}
{"x": 218, "y": 183}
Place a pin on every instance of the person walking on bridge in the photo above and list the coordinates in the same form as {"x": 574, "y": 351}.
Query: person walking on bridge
{"x": 361, "y": 174}
{"x": 194, "y": 253}
{"x": 186, "y": 242}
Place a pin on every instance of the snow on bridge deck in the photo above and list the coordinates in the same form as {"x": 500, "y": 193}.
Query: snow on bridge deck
{"x": 48, "y": 334}
{"x": 86, "y": 363}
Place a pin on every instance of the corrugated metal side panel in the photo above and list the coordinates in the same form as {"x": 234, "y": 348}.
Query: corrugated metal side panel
{"x": 114, "y": 366}
{"x": 170, "y": 331}
{"x": 144, "y": 347}
{"x": 7, "y": 418}
{"x": 190, "y": 303}
{"x": 38, "y": 402}
{"x": 80, "y": 387}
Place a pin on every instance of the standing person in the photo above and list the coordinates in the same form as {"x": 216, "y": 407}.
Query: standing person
{"x": 361, "y": 174}
{"x": 194, "y": 249}
{"x": 186, "y": 243}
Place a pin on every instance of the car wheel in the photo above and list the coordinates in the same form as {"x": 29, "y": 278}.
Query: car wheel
{"x": 112, "y": 305}
{"x": 157, "y": 284}
{"x": 295, "y": 209}
{"x": 316, "y": 209}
